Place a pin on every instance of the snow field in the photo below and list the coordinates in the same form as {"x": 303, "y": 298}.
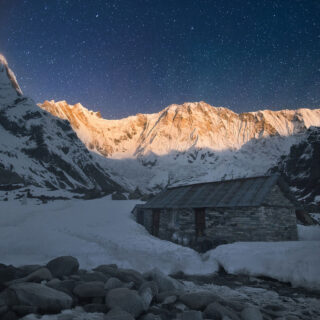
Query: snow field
{"x": 97, "y": 232}
{"x": 102, "y": 231}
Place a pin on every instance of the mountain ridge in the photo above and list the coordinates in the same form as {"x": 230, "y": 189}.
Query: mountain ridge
{"x": 192, "y": 143}
{"x": 179, "y": 128}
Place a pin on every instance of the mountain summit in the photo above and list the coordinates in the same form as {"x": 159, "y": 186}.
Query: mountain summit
{"x": 178, "y": 128}
{"x": 9, "y": 87}
{"x": 40, "y": 151}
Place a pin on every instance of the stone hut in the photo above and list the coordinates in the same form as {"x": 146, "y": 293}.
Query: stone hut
{"x": 205, "y": 215}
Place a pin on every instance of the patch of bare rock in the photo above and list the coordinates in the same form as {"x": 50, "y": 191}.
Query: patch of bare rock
{"x": 116, "y": 293}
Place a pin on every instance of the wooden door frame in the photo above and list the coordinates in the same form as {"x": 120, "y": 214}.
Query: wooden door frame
{"x": 155, "y": 222}
{"x": 200, "y": 221}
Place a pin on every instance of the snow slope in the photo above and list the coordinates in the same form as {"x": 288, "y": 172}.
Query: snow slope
{"x": 102, "y": 231}
{"x": 38, "y": 149}
{"x": 188, "y": 143}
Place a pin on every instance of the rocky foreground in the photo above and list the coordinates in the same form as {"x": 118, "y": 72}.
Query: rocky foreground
{"x": 125, "y": 294}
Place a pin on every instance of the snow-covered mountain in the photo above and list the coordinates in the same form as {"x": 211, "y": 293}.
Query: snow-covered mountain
{"x": 40, "y": 150}
{"x": 179, "y": 128}
{"x": 188, "y": 143}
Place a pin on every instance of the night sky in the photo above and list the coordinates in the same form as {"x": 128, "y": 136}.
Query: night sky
{"x": 131, "y": 56}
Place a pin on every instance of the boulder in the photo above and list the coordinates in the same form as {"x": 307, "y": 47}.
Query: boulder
{"x": 151, "y": 316}
{"x": 118, "y": 196}
{"x": 292, "y": 317}
{"x": 251, "y": 313}
{"x": 129, "y": 275}
{"x": 118, "y": 314}
{"x": 10, "y": 315}
{"x": 216, "y": 311}
{"x": 191, "y": 315}
{"x": 146, "y": 297}
{"x": 29, "y": 268}
{"x": 24, "y": 310}
{"x": 231, "y": 303}
{"x": 125, "y": 299}
{"x": 180, "y": 306}
{"x": 53, "y": 282}
{"x": 160, "y": 297}
{"x": 36, "y": 276}
{"x": 164, "y": 313}
{"x": 89, "y": 289}
{"x": 136, "y": 194}
{"x": 48, "y": 300}
{"x": 169, "y": 300}
{"x": 164, "y": 282}
{"x": 198, "y": 300}
{"x": 93, "y": 276}
{"x": 8, "y": 298}
{"x": 113, "y": 283}
{"x": 66, "y": 286}
{"x": 9, "y": 273}
{"x": 3, "y": 309}
{"x": 63, "y": 266}
{"x": 110, "y": 270}
{"x": 98, "y": 300}
{"x": 152, "y": 285}
{"x": 96, "y": 307}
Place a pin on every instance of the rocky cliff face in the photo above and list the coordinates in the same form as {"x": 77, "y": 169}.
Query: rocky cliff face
{"x": 301, "y": 168}
{"x": 40, "y": 150}
{"x": 179, "y": 128}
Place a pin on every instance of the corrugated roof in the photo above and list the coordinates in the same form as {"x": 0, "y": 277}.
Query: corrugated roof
{"x": 244, "y": 192}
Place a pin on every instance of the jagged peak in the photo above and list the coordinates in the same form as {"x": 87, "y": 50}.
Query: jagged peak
{"x": 64, "y": 104}
{"x": 197, "y": 105}
{"x": 3, "y": 60}
{"x": 11, "y": 76}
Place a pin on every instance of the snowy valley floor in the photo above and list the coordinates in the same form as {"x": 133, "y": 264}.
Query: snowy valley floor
{"x": 102, "y": 231}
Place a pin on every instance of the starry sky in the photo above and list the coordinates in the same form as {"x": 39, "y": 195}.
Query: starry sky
{"x": 138, "y": 56}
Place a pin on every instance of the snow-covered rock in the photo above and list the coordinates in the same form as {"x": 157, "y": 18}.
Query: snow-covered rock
{"x": 37, "y": 149}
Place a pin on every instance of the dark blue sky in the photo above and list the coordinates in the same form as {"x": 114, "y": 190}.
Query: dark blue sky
{"x": 130, "y": 56}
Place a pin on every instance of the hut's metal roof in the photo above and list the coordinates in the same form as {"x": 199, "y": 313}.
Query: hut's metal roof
{"x": 245, "y": 192}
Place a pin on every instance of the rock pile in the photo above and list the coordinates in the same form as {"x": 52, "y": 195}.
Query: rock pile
{"x": 121, "y": 294}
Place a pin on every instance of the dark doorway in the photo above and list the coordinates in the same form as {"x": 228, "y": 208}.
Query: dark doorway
{"x": 200, "y": 221}
{"x": 155, "y": 222}
{"x": 140, "y": 217}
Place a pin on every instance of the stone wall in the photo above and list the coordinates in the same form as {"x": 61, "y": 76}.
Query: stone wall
{"x": 177, "y": 226}
{"x": 230, "y": 225}
{"x": 275, "y": 220}
{"x": 251, "y": 224}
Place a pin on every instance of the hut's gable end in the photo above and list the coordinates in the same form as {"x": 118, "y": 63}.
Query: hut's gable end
{"x": 276, "y": 197}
